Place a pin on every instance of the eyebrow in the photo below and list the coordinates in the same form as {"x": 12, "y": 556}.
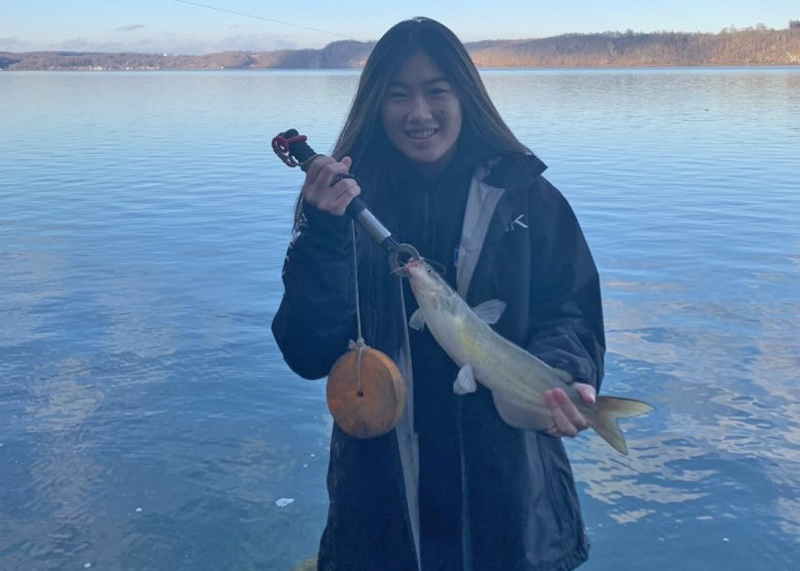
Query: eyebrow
{"x": 437, "y": 79}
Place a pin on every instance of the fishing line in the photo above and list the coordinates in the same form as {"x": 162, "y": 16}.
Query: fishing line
{"x": 246, "y": 15}
{"x": 360, "y": 341}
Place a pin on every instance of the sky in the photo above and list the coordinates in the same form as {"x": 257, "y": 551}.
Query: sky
{"x": 208, "y": 26}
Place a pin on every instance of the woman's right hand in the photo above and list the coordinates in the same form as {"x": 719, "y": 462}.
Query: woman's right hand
{"x": 317, "y": 189}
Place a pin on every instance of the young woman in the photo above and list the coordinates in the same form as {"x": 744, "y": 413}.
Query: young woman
{"x": 461, "y": 482}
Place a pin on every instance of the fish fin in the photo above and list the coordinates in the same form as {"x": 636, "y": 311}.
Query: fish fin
{"x": 490, "y": 311}
{"x": 465, "y": 381}
{"x": 604, "y": 415}
{"x": 417, "y": 320}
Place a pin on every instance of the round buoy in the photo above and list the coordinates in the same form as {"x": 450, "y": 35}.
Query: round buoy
{"x": 365, "y": 392}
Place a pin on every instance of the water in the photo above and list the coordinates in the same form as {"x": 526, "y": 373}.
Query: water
{"x": 148, "y": 422}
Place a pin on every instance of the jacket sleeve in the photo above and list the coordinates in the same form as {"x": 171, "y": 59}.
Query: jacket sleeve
{"x": 566, "y": 306}
{"x": 316, "y": 317}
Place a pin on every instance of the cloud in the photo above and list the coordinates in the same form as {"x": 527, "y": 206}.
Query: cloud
{"x": 71, "y": 44}
{"x": 189, "y": 44}
{"x": 15, "y": 45}
{"x": 252, "y": 42}
{"x": 199, "y": 44}
{"x": 84, "y": 45}
{"x": 131, "y": 28}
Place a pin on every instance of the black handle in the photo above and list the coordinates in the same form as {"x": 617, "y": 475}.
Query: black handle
{"x": 298, "y": 148}
{"x": 304, "y": 154}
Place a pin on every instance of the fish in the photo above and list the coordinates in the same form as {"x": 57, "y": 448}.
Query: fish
{"x": 516, "y": 377}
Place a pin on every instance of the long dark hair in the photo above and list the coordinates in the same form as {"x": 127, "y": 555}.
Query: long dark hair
{"x": 380, "y": 168}
{"x": 363, "y": 138}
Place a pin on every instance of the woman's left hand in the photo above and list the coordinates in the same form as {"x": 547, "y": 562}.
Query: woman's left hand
{"x": 567, "y": 419}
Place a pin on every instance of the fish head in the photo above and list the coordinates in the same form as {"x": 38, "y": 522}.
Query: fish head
{"x": 425, "y": 281}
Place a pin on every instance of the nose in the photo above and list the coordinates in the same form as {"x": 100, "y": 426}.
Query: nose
{"x": 420, "y": 109}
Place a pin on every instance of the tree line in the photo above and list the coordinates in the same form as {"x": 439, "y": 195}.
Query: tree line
{"x": 730, "y": 47}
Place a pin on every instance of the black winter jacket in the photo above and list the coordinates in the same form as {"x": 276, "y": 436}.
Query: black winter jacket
{"x": 520, "y": 506}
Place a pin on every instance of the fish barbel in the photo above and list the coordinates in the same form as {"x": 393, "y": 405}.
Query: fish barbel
{"x": 506, "y": 369}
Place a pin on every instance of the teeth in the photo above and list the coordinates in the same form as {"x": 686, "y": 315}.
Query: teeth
{"x": 421, "y": 134}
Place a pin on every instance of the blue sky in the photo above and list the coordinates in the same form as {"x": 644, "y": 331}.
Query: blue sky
{"x": 179, "y": 27}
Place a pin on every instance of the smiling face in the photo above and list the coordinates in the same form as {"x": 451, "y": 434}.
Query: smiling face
{"x": 422, "y": 115}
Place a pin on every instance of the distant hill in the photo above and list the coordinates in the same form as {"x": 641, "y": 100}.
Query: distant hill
{"x": 751, "y": 46}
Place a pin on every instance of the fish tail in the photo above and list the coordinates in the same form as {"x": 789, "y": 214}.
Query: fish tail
{"x": 604, "y": 415}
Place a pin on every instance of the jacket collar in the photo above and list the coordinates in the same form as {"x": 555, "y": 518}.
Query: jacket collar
{"x": 509, "y": 175}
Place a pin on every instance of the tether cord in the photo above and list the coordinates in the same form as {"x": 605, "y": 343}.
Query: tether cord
{"x": 360, "y": 340}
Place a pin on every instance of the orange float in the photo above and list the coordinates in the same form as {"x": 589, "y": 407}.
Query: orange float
{"x": 365, "y": 392}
